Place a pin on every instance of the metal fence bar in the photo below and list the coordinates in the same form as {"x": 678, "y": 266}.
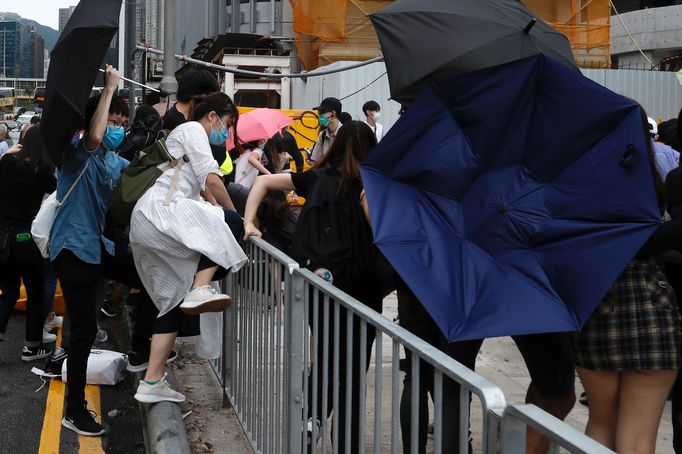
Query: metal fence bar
{"x": 517, "y": 418}
{"x": 265, "y": 369}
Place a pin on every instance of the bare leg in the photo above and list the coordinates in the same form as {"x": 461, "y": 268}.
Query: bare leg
{"x": 641, "y": 401}
{"x": 558, "y": 406}
{"x": 162, "y": 344}
{"x": 204, "y": 277}
{"x": 602, "y": 390}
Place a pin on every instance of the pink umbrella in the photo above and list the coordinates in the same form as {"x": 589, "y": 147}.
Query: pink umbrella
{"x": 259, "y": 124}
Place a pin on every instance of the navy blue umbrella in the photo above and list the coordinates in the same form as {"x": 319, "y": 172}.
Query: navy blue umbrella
{"x": 511, "y": 198}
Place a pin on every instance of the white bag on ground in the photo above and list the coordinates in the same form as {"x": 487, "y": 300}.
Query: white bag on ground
{"x": 104, "y": 367}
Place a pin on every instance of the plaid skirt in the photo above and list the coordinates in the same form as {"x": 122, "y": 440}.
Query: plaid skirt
{"x": 636, "y": 326}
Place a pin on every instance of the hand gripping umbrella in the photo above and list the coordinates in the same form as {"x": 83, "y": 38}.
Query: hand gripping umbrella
{"x": 510, "y": 199}
{"x": 74, "y": 63}
{"x": 422, "y": 39}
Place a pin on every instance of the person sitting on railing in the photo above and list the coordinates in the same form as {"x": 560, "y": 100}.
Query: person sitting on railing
{"x": 334, "y": 239}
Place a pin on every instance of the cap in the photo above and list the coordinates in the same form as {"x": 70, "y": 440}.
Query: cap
{"x": 329, "y": 105}
{"x": 653, "y": 126}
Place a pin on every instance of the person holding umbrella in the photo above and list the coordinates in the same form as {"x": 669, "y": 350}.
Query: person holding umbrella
{"x": 89, "y": 169}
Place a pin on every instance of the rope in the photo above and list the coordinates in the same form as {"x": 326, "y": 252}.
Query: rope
{"x": 261, "y": 74}
{"x": 631, "y": 37}
{"x": 363, "y": 88}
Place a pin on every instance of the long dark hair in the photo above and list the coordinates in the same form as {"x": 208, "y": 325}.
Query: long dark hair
{"x": 221, "y": 104}
{"x": 353, "y": 142}
{"x": 33, "y": 149}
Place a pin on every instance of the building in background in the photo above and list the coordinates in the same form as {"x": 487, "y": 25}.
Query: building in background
{"x": 64, "y": 14}
{"x": 19, "y": 44}
{"x": 656, "y": 27}
{"x": 38, "y": 49}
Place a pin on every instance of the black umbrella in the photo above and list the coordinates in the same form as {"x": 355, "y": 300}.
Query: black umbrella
{"x": 422, "y": 39}
{"x": 74, "y": 64}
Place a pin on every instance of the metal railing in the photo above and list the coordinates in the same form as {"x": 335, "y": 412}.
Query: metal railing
{"x": 518, "y": 418}
{"x": 296, "y": 351}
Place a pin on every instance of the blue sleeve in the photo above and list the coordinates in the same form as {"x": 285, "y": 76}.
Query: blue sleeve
{"x": 78, "y": 152}
{"x": 123, "y": 162}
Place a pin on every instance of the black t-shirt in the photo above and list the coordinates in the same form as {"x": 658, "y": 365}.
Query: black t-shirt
{"x": 173, "y": 118}
{"x": 22, "y": 188}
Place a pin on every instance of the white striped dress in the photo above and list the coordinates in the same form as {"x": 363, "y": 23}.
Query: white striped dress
{"x": 167, "y": 241}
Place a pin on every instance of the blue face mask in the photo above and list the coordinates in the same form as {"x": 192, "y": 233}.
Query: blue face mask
{"x": 113, "y": 137}
{"x": 219, "y": 137}
{"x": 324, "y": 121}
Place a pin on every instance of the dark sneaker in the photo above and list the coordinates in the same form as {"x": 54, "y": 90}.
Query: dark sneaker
{"x": 35, "y": 353}
{"x": 107, "y": 309}
{"x": 83, "y": 422}
{"x": 101, "y": 336}
{"x": 54, "y": 364}
{"x": 138, "y": 362}
{"x": 583, "y": 399}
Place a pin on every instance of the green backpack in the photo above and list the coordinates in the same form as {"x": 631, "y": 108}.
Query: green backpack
{"x": 141, "y": 175}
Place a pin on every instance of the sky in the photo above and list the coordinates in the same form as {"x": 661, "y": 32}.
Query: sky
{"x": 45, "y": 12}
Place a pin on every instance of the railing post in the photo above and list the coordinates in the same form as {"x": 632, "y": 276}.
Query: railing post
{"x": 513, "y": 436}
{"x": 294, "y": 319}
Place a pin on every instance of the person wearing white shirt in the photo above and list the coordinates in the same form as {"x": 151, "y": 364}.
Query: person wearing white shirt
{"x": 372, "y": 111}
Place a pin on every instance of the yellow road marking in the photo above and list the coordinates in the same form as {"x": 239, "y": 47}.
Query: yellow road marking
{"x": 92, "y": 445}
{"x": 54, "y": 408}
{"x": 52, "y": 421}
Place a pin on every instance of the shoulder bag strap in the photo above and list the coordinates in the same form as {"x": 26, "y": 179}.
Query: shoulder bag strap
{"x": 73, "y": 186}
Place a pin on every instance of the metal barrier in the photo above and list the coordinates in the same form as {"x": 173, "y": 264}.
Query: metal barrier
{"x": 518, "y": 418}
{"x": 292, "y": 354}
{"x": 296, "y": 351}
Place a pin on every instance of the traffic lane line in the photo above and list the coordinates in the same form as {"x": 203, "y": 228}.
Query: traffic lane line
{"x": 52, "y": 422}
{"x": 54, "y": 407}
{"x": 92, "y": 445}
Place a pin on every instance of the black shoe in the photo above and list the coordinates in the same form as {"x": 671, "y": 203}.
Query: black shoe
{"x": 583, "y": 399}
{"x": 82, "y": 421}
{"x": 53, "y": 366}
{"x": 35, "y": 353}
{"x": 107, "y": 309}
{"x": 138, "y": 362}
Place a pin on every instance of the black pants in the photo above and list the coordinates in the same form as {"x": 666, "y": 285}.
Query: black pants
{"x": 24, "y": 262}
{"x": 416, "y": 320}
{"x": 345, "y": 363}
{"x": 79, "y": 286}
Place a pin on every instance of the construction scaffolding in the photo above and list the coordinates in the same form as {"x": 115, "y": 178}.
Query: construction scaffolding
{"x": 586, "y": 24}
{"x": 330, "y": 30}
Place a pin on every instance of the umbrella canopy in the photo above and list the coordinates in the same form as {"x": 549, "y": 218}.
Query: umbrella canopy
{"x": 422, "y": 39}
{"x": 259, "y": 124}
{"x": 510, "y": 199}
{"x": 74, "y": 64}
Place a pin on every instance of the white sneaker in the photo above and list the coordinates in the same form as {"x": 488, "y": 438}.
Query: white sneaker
{"x": 204, "y": 299}
{"x": 48, "y": 338}
{"x": 56, "y": 322}
{"x": 158, "y": 392}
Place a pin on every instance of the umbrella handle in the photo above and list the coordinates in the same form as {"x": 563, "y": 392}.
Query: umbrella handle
{"x": 626, "y": 159}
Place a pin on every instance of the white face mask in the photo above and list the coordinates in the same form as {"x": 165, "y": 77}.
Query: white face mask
{"x": 377, "y": 115}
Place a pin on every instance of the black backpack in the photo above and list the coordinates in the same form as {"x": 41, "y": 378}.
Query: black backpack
{"x": 332, "y": 231}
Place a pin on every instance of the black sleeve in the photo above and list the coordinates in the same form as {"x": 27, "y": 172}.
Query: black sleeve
{"x": 667, "y": 236}
{"x": 673, "y": 192}
{"x": 49, "y": 181}
{"x": 303, "y": 182}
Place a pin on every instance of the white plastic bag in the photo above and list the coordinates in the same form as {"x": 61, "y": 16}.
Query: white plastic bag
{"x": 42, "y": 224}
{"x": 208, "y": 344}
{"x": 104, "y": 367}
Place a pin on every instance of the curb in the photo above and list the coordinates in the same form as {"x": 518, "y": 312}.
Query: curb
{"x": 163, "y": 427}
